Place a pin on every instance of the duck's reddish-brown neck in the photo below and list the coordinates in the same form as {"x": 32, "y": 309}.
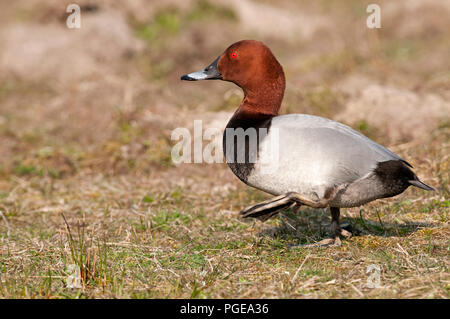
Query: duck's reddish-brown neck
{"x": 262, "y": 98}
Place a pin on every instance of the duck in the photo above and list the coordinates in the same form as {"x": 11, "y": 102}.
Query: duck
{"x": 299, "y": 159}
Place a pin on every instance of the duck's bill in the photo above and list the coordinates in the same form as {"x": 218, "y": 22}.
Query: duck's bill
{"x": 211, "y": 72}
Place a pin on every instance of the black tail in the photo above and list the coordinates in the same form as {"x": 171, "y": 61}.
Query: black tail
{"x": 418, "y": 183}
{"x": 263, "y": 211}
{"x": 392, "y": 172}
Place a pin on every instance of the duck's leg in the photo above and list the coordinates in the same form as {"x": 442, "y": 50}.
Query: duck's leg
{"x": 266, "y": 209}
{"x": 272, "y": 206}
{"x": 335, "y": 231}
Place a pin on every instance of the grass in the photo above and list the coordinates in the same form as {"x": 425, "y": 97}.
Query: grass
{"x": 129, "y": 238}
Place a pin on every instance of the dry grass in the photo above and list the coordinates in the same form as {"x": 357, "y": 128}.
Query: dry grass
{"x": 85, "y": 123}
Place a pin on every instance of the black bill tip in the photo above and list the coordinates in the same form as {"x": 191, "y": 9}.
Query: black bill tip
{"x": 187, "y": 78}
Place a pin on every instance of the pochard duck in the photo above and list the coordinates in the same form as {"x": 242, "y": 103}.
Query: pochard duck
{"x": 319, "y": 162}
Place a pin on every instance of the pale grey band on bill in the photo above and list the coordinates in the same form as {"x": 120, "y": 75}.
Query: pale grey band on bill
{"x": 199, "y": 75}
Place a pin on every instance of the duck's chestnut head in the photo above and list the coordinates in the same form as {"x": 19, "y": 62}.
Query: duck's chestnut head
{"x": 247, "y": 63}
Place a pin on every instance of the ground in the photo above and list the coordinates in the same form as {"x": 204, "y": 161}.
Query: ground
{"x": 88, "y": 187}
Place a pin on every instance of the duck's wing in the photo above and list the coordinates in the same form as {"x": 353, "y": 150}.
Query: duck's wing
{"x": 313, "y": 153}
{"x": 321, "y": 124}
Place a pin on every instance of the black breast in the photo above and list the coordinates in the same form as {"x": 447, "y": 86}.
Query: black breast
{"x": 240, "y": 155}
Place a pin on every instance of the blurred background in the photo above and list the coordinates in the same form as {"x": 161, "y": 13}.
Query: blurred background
{"x": 86, "y": 114}
{"x": 106, "y": 96}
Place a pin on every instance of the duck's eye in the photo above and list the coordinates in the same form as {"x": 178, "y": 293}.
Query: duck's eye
{"x": 234, "y": 55}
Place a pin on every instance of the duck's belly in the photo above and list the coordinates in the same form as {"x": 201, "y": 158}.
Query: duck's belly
{"x": 304, "y": 172}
